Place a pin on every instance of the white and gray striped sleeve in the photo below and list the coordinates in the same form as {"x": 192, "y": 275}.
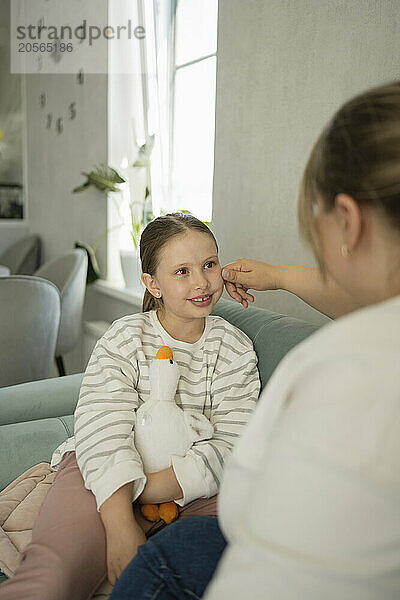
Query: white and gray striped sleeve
{"x": 234, "y": 393}
{"x": 104, "y": 419}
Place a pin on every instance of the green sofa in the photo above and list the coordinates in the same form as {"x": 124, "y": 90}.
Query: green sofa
{"x": 36, "y": 417}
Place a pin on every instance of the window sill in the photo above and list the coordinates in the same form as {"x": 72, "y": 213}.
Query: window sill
{"x": 118, "y": 291}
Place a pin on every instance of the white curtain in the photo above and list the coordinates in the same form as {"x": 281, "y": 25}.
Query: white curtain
{"x": 159, "y": 23}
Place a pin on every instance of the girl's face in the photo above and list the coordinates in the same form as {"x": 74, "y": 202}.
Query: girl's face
{"x": 188, "y": 275}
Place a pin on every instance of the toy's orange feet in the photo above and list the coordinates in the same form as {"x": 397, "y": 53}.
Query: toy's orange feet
{"x": 150, "y": 512}
{"x": 168, "y": 512}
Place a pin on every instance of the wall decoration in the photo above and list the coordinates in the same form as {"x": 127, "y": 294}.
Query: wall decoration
{"x": 43, "y": 99}
{"x": 80, "y": 77}
{"x": 72, "y": 110}
{"x": 59, "y": 125}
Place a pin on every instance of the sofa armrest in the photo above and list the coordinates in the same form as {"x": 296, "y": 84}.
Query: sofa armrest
{"x": 39, "y": 399}
{"x": 26, "y": 444}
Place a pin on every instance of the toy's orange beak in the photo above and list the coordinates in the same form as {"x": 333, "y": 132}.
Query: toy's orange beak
{"x": 165, "y": 352}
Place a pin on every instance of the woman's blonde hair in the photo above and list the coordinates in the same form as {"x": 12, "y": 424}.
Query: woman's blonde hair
{"x": 357, "y": 153}
{"x": 156, "y": 235}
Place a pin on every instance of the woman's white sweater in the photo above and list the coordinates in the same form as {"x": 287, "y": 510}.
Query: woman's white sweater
{"x": 310, "y": 500}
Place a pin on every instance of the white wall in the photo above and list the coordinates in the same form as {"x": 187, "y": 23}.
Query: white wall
{"x": 11, "y": 233}
{"x": 284, "y": 67}
{"x": 55, "y": 161}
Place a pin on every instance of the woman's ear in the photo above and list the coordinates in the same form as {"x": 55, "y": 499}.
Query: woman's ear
{"x": 151, "y": 284}
{"x": 350, "y": 218}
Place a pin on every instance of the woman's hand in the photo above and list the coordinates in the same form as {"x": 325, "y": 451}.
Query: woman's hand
{"x": 306, "y": 283}
{"x": 123, "y": 540}
{"x": 244, "y": 274}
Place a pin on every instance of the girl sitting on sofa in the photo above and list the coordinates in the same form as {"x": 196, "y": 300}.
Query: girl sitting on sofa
{"x": 87, "y": 527}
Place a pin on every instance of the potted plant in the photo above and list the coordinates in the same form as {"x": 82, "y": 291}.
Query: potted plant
{"x": 140, "y": 212}
{"x": 108, "y": 180}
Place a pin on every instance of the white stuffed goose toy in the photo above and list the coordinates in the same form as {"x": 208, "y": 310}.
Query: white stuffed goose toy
{"x": 163, "y": 429}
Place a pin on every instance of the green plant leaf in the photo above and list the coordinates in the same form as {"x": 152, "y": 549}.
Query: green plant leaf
{"x": 116, "y": 176}
{"x": 136, "y": 228}
{"x": 100, "y": 181}
{"x": 108, "y": 173}
{"x": 103, "y": 177}
{"x": 82, "y": 187}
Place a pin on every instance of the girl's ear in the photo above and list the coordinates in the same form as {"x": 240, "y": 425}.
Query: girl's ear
{"x": 151, "y": 284}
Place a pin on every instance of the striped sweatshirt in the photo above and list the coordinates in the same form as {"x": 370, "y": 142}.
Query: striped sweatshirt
{"x": 218, "y": 377}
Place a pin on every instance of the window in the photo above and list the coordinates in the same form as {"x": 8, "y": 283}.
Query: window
{"x": 171, "y": 96}
{"x": 181, "y": 98}
{"x": 194, "y": 106}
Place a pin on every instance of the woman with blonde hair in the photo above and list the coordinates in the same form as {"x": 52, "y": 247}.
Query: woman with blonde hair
{"x": 310, "y": 500}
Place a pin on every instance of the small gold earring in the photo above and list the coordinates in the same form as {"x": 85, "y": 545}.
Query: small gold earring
{"x": 345, "y": 251}
{"x": 157, "y": 294}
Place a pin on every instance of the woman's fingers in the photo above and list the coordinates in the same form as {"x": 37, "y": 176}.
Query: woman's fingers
{"x": 239, "y": 273}
{"x": 253, "y": 274}
{"x": 232, "y": 291}
{"x": 244, "y": 293}
{"x": 238, "y": 293}
{"x": 241, "y": 264}
{"x": 233, "y": 275}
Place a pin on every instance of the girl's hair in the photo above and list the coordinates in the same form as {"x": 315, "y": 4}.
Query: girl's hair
{"x": 156, "y": 235}
{"x": 357, "y": 153}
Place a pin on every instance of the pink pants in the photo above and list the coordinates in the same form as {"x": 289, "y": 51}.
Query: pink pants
{"x": 66, "y": 559}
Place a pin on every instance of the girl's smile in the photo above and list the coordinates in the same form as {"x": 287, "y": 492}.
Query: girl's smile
{"x": 201, "y": 301}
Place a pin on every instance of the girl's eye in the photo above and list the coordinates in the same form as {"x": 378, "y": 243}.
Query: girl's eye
{"x": 210, "y": 264}
{"x": 182, "y": 271}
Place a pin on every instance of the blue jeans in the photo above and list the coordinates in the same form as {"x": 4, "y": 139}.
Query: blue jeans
{"x": 176, "y": 563}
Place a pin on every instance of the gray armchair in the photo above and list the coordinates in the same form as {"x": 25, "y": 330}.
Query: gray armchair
{"x": 29, "y": 321}
{"x": 68, "y": 273}
{"x": 23, "y": 257}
